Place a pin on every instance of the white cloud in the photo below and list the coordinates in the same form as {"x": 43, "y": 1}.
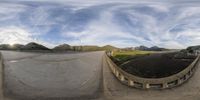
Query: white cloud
{"x": 9, "y": 11}
{"x": 103, "y": 31}
{"x": 13, "y": 35}
{"x": 172, "y": 44}
{"x": 156, "y": 30}
{"x": 188, "y": 12}
{"x": 145, "y": 26}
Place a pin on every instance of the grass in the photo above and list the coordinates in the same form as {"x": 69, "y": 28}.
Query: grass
{"x": 156, "y": 65}
{"x": 120, "y": 57}
{"x": 148, "y": 65}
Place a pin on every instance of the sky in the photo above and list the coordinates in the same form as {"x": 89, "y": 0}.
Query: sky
{"x": 122, "y": 23}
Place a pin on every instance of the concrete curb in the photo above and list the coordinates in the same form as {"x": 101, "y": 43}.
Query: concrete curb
{"x": 1, "y": 77}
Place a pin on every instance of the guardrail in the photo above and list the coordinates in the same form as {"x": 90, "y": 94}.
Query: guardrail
{"x": 1, "y": 59}
{"x": 1, "y": 77}
{"x": 152, "y": 83}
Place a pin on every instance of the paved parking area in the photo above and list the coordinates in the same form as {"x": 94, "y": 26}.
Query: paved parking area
{"x": 52, "y": 76}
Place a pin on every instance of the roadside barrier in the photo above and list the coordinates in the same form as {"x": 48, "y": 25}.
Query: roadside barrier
{"x": 1, "y": 77}
{"x": 152, "y": 83}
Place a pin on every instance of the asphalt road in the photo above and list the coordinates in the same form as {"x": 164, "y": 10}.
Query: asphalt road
{"x": 52, "y": 76}
{"x": 78, "y": 76}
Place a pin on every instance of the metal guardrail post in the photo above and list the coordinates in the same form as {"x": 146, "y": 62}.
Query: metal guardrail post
{"x": 130, "y": 82}
{"x": 146, "y": 85}
{"x": 121, "y": 77}
{"x": 165, "y": 85}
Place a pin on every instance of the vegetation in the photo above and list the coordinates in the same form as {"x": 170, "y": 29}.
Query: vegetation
{"x": 154, "y": 48}
{"x": 191, "y": 49}
{"x": 34, "y": 46}
{"x": 122, "y": 56}
{"x": 150, "y": 64}
{"x": 63, "y": 47}
{"x": 156, "y": 65}
{"x": 109, "y": 48}
{"x": 5, "y": 47}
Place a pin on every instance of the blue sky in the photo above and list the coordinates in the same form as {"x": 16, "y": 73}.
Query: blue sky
{"x": 120, "y": 23}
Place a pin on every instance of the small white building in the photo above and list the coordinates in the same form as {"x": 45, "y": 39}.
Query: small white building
{"x": 197, "y": 52}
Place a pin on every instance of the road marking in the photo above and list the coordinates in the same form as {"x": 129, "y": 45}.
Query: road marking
{"x": 85, "y": 82}
{"x": 13, "y": 61}
{"x": 70, "y": 59}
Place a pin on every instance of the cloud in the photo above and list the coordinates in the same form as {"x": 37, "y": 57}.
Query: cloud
{"x": 9, "y": 11}
{"x": 120, "y": 23}
{"x": 12, "y": 35}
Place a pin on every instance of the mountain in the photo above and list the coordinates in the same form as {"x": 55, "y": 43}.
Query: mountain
{"x": 4, "y": 47}
{"x": 34, "y": 46}
{"x": 144, "y": 48}
{"x": 154, "y": 48}
{"x": 191, "y": 49}
{"x": 93, "y": 48}
{"x": 128, "y": 48}
{"x": 109, "y": 48}
{"x": 11, "y": 47}
{"x": 16, "y": 47}
{"x": 89, "y": 48}
{"x": 63, "y": 47}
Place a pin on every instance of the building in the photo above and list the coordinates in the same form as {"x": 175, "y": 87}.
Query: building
{"x": 197, "y": 52}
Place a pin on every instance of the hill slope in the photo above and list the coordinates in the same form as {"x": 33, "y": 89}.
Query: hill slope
{"x": 34, "y": 46}
{"x": 63, "y": 47}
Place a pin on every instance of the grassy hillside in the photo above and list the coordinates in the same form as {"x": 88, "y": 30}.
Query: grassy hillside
{"x": 34, "y": 46}
{"x": 62, "y": 47}
{"x": 109, "y": 48}
{"x": 122, "y": 56}
{"x": 94, "y": 48}
{"x": 133, "y": 52}
{"x": 156, "y": 65}
{"x": 90, "y": 48}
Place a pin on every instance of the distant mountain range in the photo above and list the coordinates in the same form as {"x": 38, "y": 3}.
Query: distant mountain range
{"x": 34, "y": 46}
{"x": 67, "y": 47}
{"x": 192, "y": 49}
{"x": 154, "y": 48}
{"x": 63, "y": 47}
{"x": 29, "y": 46}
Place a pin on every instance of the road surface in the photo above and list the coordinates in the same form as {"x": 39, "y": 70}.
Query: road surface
{"x": 83, "y": 75}
{"x": 52, "y": 76}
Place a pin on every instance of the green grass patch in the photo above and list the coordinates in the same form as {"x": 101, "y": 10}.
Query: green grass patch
{"x": 122, "y": 56}
{"x": 133, "y": 52}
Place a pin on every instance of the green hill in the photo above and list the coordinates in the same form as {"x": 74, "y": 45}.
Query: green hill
{"x": 191, "y": 49}
{"x": 93, "y": 48}
{"x": 109, "y": 48}
{"x": 63, "y": 47}
{"x": 4, "y": 47}
{"x": 34, "y": 46}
